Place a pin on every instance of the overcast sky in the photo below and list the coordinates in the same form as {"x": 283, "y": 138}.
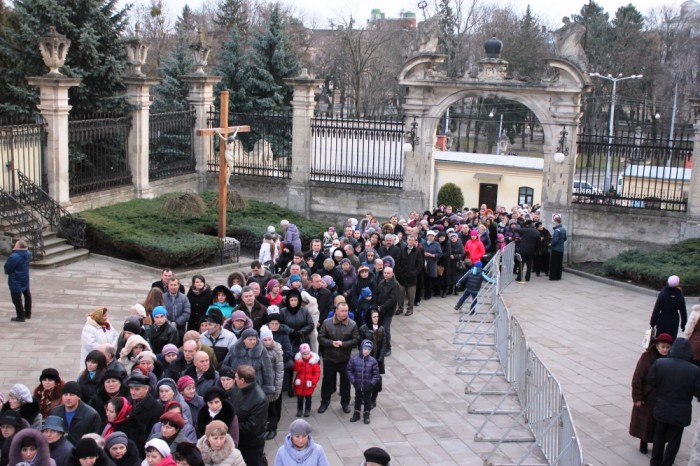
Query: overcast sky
{"x": 549, "y": 11}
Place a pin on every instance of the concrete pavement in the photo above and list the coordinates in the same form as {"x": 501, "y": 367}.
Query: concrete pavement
{"x": 588, "y": 333}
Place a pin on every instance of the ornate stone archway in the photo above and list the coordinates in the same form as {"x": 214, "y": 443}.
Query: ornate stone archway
{"x": 555, "y": 101}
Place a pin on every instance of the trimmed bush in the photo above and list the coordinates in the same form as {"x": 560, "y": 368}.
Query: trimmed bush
{"x": 451, "y": 194}
{"x": 653, "y": 268}
{"x": 139, "y": 230}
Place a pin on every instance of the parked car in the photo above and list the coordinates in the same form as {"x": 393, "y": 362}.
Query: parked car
{"x": 584, "y": 187}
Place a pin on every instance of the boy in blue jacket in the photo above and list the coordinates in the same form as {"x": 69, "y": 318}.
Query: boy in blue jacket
{"x": 363, "y": 374}
{"x": 472, "y": 281}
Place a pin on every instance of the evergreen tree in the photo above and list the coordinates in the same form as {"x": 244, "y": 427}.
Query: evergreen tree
{"x": 171, "y": 93}
{"x": 268, "y": 62}
{"x": 230, "y": 67}
{"x": 186, "y": 22}
{"x": 233, "y": 13}
{"x": 96, "y": 55}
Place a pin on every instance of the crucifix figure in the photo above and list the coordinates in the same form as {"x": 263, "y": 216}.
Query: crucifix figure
{"x": 227, "y": 155}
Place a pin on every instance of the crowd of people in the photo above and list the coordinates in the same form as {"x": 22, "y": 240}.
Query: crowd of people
{"x": 197, "y": 376}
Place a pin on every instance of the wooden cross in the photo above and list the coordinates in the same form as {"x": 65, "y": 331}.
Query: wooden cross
{"x": 224, "y": 171}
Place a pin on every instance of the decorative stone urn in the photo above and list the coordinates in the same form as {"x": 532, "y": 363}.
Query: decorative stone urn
{"x": 493, "y": 48}
{"x": 137, "y": 52}
{"x": 54, "y": 47}
{"x": 200, "y": 53}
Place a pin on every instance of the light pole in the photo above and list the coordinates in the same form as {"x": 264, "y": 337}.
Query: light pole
{"x": 614, "y": 81}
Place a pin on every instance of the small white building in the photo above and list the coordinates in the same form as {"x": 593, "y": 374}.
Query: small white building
{"x": 494, "y": 180}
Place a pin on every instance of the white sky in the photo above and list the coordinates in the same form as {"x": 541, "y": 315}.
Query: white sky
{"x": 549, "y": 11}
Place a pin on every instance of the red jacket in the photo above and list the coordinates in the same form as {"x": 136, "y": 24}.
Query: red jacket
{"x": 306, "y": 370}
{"x": 475, "y": 249}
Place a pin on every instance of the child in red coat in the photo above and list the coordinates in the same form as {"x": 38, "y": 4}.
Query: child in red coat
{"x": 308, "y": 371}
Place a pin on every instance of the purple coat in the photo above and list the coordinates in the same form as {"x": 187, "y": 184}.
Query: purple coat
{"x": 292, "y": 236}
{"x": 363, "y": 372}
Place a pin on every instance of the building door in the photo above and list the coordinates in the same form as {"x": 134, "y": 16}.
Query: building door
{"x": 488, "y": 194}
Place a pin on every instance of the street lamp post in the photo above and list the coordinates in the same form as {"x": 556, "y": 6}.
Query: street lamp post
{"x": 614, "y": 81}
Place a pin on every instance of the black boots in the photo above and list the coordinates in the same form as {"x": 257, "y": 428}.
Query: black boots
{"x": 355, "y": 417}
{"x": 443, "y": 293}
{"x": 643, "y": 447}
{"x": 366, "y": 417}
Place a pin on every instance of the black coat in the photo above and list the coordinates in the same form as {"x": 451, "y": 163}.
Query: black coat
{"x": 147, "y": 412}
{"x": 677, "y": 381}
{"x": 668, "y": 310}
{"x": 85, "y": 421}
{"x": 529, "y": 239}
{"x": 61, "y": 451}
{"x": 410, "y": 265}
{"x": 99, "y": 401}
{"x": 250, "y": 404}
{"x": 161, "y": 336}
{"x": 130, "y": 459}
{"x": 324, "y": 298}
{"x": 227, "y": 415}
{"x": 199, "y": 303}
{"x": 386, "y": 296}
{"x": 30, "y": 412}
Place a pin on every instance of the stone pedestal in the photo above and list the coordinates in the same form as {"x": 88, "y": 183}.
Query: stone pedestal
{"x": 54, "y": 108}
{"x": 138, "y": 92}
{"x": 694, "y": 191}
{"x": 303, "y": 104}
{"x": 201, "y": 97}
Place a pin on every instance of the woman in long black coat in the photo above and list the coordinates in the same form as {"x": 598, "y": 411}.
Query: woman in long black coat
{"x": 669, "y": 309}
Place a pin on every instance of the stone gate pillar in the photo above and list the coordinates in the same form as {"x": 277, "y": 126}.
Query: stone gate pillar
{"x": 53, "y": 104}
{"x": 694, "y": 191}
{"x": 303, "y": 104}
{"x": 201, "y": 97}
{"x": 138, "y": 93}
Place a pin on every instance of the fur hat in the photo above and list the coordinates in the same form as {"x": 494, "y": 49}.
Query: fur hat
{"x": 111, "y": 374}
{"x": 51, "y": 374}
{"x": 215, "y": 316}
{"x": 131, "y": 326}
{"x": 300, "y": 427}
{"x": 11, "y": 417}
{"x": 135, "y": 380}
{"x": 226, "y": 371}
{"x": 21, "y": 393}
{"x": 87, "y": 447}
{"x": 377, "y": 455}
{"x": 159, "y": 445}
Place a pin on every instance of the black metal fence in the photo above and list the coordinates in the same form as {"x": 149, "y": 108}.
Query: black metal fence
{"x": 265, "y": 151}
{"x": 356, "y": 151}
{"x": 97, "y": 153}
{"x": 635, "y": 170}
{"x": 22, "y": 145}
{"x": 171, "y": 147}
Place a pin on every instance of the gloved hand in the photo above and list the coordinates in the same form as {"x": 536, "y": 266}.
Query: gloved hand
{"x": 308, "y": 384}
{"x": 297, "y": 382}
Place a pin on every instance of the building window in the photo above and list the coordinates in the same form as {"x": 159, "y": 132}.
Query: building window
{"x": 525, "y": 195}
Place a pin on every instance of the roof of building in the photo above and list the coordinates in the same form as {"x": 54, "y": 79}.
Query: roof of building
{"x": 512, "y": 161}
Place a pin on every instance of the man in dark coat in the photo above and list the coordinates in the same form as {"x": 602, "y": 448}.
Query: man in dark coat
{"x": 17, "y": 271}
{"x": 677, "y": 381}
{"x": 408, "y": 269}
{"x": 162, "y": 284}
{"x": 324, "y": 298}
{"x": 337, "y": 337}
{"x": 317, "y": 255}
{"x": 556, "y": 248}
{"x": 250, "y": 404}
{"x": 146, "y": 409}
{"x": 529, "y": 240}
{"x": 203, "y": 373}
{"x": 386, "y": 298}
{"x": 80, "y": 418}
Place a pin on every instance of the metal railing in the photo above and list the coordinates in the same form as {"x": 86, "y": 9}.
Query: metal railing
{"x": 171, "y": 148}
{"x": 356, "y": 151}
{"x": 67, "y": 226}
{"x": 22, "y": 145}
{"x": 543, "y": 407}
{"x": 97, "y": 153}
{"x": 264, "y": 151}
{"x": 636, "y": 170}
{"x": 15, "y": 216}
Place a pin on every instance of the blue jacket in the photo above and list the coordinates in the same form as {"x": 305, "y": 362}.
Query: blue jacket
{"x": 17, "y": 270}
{"x": 363, "y": 372}
{"x": 558, "y": 238}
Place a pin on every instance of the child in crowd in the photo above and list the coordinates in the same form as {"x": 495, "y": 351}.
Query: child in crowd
{"x": 307, "y": 372}
{"x": 472, "y": 281}
{"x": 363, "y": 374}
{"x": 373, "y": 331}
{"x": 274, "y": 292}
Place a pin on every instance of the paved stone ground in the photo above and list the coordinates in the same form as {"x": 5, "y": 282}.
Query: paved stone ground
{"x": 589, "y": 334}
{"x": 579, "y": 327}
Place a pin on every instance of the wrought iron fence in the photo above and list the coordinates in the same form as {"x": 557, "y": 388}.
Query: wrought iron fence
{"x": 171, "y": 148}
{"x": 20, "y": 219}
{"x": 264, "y": 151}
{"x": 635, "y": 171}
{"x": 356, "y": 151}
{"x": 22, "y": 145}
{"x": 97, "y": 151}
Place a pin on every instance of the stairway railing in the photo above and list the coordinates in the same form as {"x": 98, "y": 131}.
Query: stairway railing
{"x": 21, "y": 219}
{"x": 66, "y": 225}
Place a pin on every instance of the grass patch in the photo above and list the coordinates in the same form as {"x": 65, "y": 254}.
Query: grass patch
{"x": 652, "y": 268}
{"x": 139, "y": 230}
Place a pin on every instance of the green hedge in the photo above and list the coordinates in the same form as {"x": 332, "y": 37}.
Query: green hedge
{"x": 137, "y": 230}
{"x": 654, "y": 267}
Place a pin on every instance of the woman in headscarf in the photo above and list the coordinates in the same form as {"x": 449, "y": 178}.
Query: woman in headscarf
{"x": 31, "y": 448}
{"x": 119, "y": 418}
{"x": 96, "y": 331}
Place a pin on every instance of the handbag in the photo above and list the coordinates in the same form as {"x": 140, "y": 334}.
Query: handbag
{"x": 649, "y": 335}
{"x": 378, "y": 386}
{"x": 461, "y": 265}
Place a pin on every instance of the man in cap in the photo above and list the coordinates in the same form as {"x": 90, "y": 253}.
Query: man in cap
{"x": 376, "y": 456}
{"x": 59, "y": 447}
{"x": 145, "y": 408}
{"x": 80, "y": 418}
{"x": 216, "y": 337}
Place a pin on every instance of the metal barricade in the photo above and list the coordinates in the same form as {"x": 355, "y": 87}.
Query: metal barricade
{"x": 507, "y": 266}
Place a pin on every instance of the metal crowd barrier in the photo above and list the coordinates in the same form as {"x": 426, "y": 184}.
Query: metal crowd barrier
{"x": 493, "y": 337}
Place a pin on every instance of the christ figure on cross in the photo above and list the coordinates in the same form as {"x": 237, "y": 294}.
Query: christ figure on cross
{"x": 232, "y": 146}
